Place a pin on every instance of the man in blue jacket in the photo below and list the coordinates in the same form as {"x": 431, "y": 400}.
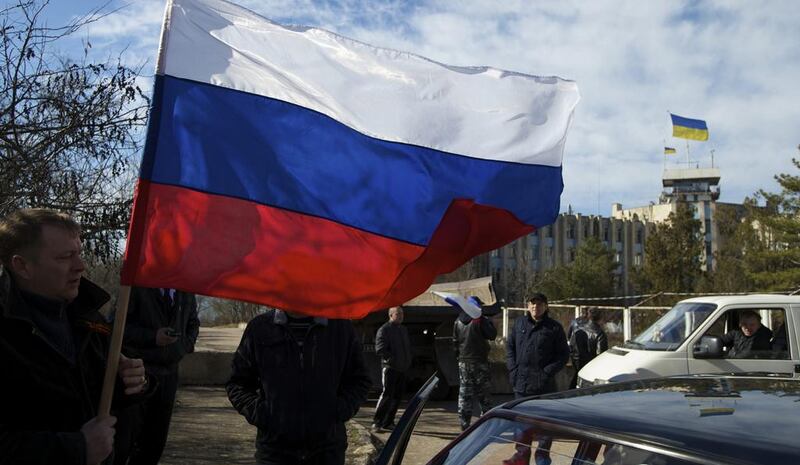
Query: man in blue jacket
{"x": 536, "y": 351}
{"x": 298, "y": 379}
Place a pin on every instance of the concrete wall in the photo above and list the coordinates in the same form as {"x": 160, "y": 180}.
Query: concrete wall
{"x": 205, "y": 368}
{"x": 501, "y": 384}
{"x": 214, "y": 368}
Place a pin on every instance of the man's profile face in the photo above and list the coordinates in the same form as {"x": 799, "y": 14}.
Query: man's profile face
{"x": 396, "y": 315}
{"x": 749, "y": 326}
{"x": 54, "y": 268}
{"x": 537, "y": 309}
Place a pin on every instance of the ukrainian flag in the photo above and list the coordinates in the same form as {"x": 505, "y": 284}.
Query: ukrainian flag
{"x": 669, "y": 150}
{"x": 687, "y": 128}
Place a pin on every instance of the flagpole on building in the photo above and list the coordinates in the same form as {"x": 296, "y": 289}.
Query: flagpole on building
{"x": 114, "y": 350}
{"x": 688, "y": 158}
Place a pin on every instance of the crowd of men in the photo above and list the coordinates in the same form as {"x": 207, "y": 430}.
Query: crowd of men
{"x": 295, "y": 377}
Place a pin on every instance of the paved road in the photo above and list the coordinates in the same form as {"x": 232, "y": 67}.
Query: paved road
{"x": 206, "y": 430}
{"x": 218, "y": 339}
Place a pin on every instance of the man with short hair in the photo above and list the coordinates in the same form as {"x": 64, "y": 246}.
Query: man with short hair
{"x": 394, "y": 348}
{"x": 536, "y": 351}
{"x": 750, "y": 340}
{"x": 298, "y": 379}
{"x": 580, "y": 320}
{"x": 53, "y": 346}
{"x": 587, "y": 341}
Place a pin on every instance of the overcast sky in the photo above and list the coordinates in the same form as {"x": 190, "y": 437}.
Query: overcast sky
{"x": 734, "y": 64}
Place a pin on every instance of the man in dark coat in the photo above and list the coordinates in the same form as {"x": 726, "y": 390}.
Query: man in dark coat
{"x": 161, "y": 327}
{"x": 298, "y": 379}
{"x": 471, "y": 338}
{"x": 586, "y": 342}
{"x": 394, "y": 348}
{"x": 750, "y": 340}
{"x": 53, "y": 347}
{"x": 536, "y": 351}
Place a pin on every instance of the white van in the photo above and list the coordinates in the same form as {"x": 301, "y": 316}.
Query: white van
{"x": 686, "y": 340}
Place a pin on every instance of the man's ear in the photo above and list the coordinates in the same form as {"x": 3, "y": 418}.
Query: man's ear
{"x": 21, "y": 267}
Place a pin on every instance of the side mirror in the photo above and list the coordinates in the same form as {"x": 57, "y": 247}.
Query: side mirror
{"x": 708, "y": 347}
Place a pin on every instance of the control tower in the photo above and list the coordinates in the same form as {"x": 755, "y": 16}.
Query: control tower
{"x": 699, "y": 187}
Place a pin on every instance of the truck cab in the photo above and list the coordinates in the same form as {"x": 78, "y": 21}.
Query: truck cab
{"x": 689, "y": 339}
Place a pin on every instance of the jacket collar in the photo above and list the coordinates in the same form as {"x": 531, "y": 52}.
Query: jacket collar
{"x": 545, "y": 317}
{"x": 91, "y": 299}
{"x": 281, "y": 318}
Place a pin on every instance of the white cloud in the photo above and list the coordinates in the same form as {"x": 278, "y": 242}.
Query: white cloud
{"x": 735, "y": 64}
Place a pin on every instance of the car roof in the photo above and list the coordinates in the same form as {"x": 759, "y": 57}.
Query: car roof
{"x": 742, "y": 418}
{"x": 750, "y": 299}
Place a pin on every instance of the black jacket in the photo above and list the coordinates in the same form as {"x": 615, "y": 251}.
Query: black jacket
{"x": 756, "y": 346}
{"x": 471, "y": 338}
{"x": 148, "y": 311}
{"x": 587, "y": 342}
{"x": 535, "y": 351}
{"x": 45, "y": 399}
{"x": 393, "y": 346}
{"x": 298, "y": 398}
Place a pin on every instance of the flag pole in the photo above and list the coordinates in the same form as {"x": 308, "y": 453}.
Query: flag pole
{"x": 688, "y": 158}
{"x": 104, "y": 409}
{"x": 121, "y": 315}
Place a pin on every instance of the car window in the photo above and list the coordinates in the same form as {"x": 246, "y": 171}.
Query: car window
{"x": 669, "y": 332}
{"x": 770, "y": 344}
{"x": 501, "y": 441}
{"x": 617, "y": 454}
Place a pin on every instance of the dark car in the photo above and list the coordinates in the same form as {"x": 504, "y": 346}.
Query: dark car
{"x": 667, "y": 421}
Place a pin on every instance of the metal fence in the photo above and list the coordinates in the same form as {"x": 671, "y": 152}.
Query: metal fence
{"x": 622, "y": 323}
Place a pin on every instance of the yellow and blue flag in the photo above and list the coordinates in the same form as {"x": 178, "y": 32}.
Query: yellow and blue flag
{"x": 669, "y": 150}
{"x": 687, "y": 128}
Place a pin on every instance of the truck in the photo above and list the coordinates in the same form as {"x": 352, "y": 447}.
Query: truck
{"x": 688, "y": 340}
{"x": 429, "y": 320}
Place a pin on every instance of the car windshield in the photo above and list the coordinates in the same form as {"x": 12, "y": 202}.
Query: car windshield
{"x": 499, "y": 441}
{"x": 669, "y": 332}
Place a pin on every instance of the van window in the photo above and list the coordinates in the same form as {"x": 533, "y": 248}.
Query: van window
{"x": 762, "y": 343}
{"x": 669, "y": 332}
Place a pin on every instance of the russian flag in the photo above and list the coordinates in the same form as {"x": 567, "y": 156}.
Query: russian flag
{"x": 293, "y": 167}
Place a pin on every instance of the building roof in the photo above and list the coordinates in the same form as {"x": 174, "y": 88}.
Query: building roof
{"x": 745, "y": 419}
{"x": 678, "y": 176}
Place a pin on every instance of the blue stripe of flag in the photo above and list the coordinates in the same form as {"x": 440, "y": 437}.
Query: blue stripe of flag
{"x": 226, "y": 142}
{"x": 688, "y": 122}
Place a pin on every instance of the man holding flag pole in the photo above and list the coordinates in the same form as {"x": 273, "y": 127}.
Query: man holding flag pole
{"x": 53, "y": 345}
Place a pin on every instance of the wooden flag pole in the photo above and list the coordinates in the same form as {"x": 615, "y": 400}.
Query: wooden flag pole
{"x": 114, "y": 350}
{"x": 115, "y": 347}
